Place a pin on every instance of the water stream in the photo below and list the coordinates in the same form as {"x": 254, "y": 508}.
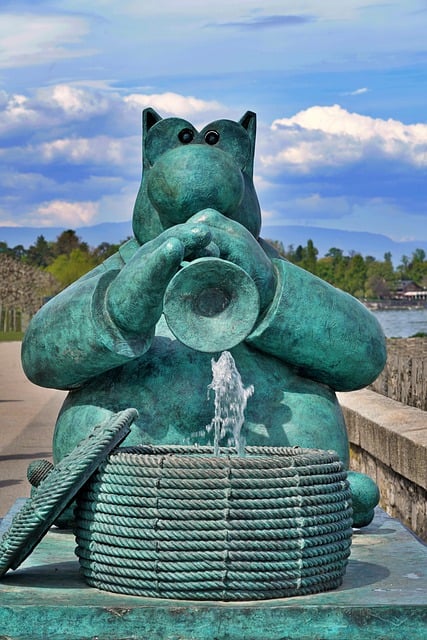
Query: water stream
{"x": 230, "y": 403}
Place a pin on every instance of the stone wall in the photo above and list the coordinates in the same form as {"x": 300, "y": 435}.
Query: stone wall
{"x": 404, "y": 378}
{"x": 388, "y": 442}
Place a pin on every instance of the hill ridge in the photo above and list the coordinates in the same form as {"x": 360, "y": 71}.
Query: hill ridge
{"x": 364, "y": 242}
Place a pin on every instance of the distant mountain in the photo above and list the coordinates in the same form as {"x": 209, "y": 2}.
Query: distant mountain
{"x": 372, "y": 244}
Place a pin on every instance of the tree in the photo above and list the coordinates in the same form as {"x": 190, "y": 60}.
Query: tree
{"x": 67, "y": 241}
{"x": 381, "y": 279}
{"x": 403, "y": 267}
{"x": 67, "y": 268}
{"x": 325, "y": 269}
{"x": 19, "y": 252}
{"x": 414, "y": 268}
{"x": 376, "y": 287}
{"x": 355, "y": 276}
{"x": 105, "y": 250}
{"x": 309, "y": 257}
{"x": 40, "y": 254}
{"x": 335, "y": 254}
{"x": 418, "y": 266}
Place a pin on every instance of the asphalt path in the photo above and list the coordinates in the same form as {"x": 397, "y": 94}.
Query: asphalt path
{"x": 27, "y": 419}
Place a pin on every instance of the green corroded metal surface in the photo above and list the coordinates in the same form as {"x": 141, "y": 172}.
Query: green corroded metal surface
{"x": 179, "y": 522}
{"x": 365, "y": 494}
{"x": 58, "y": 489}
{"x": 383, "y": 596}
{"x": 211, "y": 305}
{"x": 105, "y": 338}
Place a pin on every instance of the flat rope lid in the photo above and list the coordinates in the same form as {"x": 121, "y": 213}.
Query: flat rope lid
{"x": 59, "y": 488}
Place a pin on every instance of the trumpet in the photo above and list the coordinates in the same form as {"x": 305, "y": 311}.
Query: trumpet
{"x": 211, "y": 304}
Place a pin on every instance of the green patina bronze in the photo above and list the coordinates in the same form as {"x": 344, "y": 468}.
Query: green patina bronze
{"x": 105, "y": 338}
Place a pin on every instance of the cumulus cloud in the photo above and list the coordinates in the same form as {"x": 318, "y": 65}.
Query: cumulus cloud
{"x": 71, "y": 155}
{"x": 332, "y": 136}
{"x": 48, "y": 108}
{"x": 326, "y": 164}
{"x": 101, "y": 150}
{"x": 28, "y": 39}
{"x": 77, "y": 102}
{"x": 59, "y": 212}
{"x": 175, "y": 104}
{"x": 66, "y": 107}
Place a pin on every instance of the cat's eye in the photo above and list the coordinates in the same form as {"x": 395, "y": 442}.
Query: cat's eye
{"x": 185, "y": 136}
{"x": 211, "y": 137}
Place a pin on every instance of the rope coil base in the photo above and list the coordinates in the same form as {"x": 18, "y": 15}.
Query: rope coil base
{"x": 178, "y": 522}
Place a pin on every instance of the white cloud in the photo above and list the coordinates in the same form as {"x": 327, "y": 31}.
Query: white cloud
{"x": 24, "y": 181}
{"x": 66, "y": 105}
{"x": 101, "y": 150}
{"x": 49, "y": 107}
{"x": 60, "y": 212}
{"x": 332, "y": 136}
{"x": 65, "y": 142}
{"x": 29, "y": 39}
{"x": 174, "y": 103}
{"x": 76, "y": 101}
{"x": 358, "y": 92}
{"x": 16, "y": 112}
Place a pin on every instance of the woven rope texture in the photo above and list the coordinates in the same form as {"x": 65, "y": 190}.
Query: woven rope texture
{"x": 178, "y": 522}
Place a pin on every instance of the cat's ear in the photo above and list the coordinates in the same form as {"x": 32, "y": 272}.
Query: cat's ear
{"x": 248, "y": 121}
{"x": 149, "y": 119}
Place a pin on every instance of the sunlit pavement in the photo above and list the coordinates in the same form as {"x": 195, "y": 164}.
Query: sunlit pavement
{"x": 27, "y": 420}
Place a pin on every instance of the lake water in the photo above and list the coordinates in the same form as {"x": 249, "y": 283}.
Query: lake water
{"x": 402, "y": 323}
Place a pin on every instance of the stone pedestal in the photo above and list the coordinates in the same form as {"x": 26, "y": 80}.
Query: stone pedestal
{"x": 383, "y": 596}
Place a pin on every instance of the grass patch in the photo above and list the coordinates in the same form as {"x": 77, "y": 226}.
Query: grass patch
{"x": 11, "y": 336}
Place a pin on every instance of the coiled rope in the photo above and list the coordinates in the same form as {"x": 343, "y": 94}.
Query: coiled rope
{"x": 178, "y": 522}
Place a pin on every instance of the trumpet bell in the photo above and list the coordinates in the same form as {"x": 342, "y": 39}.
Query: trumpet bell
{"x": 211, "y": 305}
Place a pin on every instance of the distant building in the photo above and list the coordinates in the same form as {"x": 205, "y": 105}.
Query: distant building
{"x": 410, "y": 292}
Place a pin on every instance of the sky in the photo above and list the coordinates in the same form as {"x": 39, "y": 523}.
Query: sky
{"x": 339, "y": 88}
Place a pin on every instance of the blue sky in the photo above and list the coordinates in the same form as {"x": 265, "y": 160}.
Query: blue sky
{"x": 339, "y": 88}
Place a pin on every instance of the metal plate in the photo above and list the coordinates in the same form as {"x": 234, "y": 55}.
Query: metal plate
{"x": 59, "y": 488}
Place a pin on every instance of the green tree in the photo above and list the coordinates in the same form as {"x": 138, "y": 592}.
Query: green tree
{"x": 418, "y": 266}
{"x": 381, "y": 279}
{"x": 325, "y": 269}
{"x": 414, "y": 268}
{"x": 67, "y": 268}
{"x": 104, "y": 251}
{"x": 41, "y": 253}
{"x": 339, "y": 265}
{"x": 309, "y": 259}
{"x": 335, "y": 253}
{"x": 67, "y": 241}
{"x": 355, "y": 276}
{"x": 403, "y": 268}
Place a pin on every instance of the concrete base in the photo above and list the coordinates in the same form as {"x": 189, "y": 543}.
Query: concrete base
{"x": 384, "y": 596}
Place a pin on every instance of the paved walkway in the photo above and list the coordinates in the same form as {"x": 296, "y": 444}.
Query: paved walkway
{"x": 27, "y": 420}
